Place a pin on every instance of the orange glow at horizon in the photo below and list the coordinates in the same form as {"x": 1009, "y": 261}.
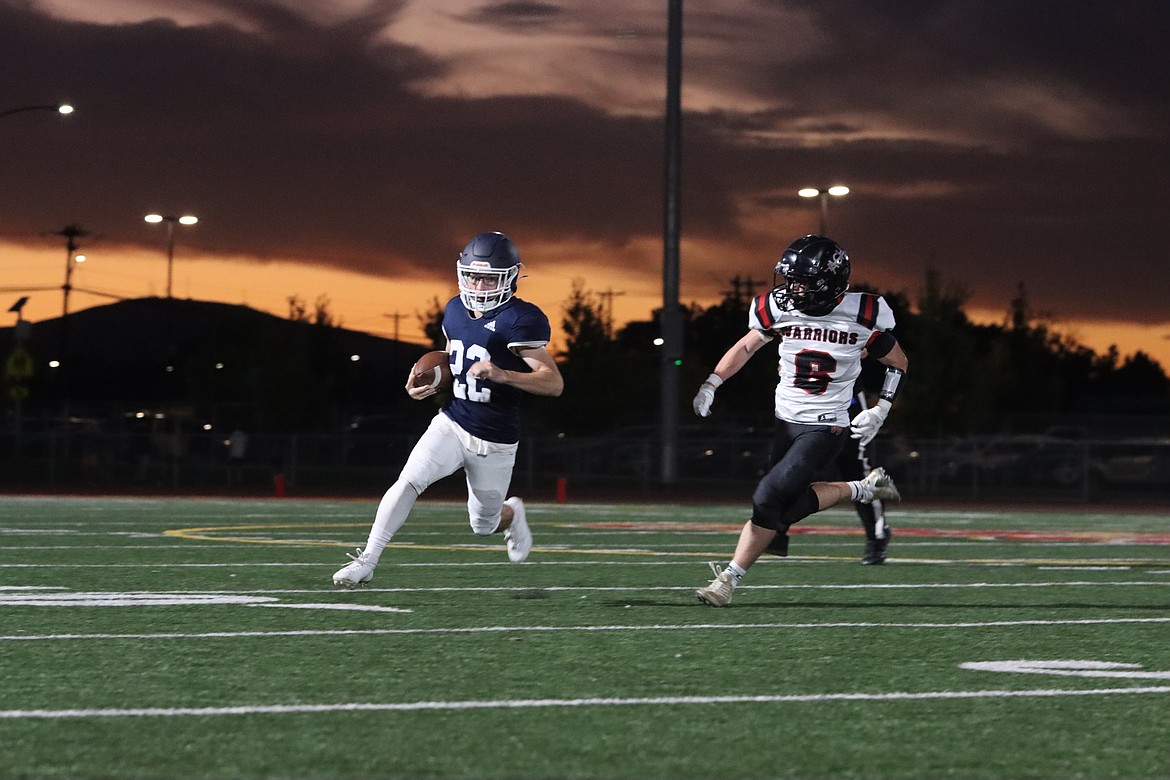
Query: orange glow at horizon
{"x": 380, "y": 305}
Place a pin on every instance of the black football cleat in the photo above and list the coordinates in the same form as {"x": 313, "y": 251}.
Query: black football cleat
{"x": 875, "y": 549}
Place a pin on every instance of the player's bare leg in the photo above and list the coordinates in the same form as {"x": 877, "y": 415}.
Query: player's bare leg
{"x": 754, "y": 539}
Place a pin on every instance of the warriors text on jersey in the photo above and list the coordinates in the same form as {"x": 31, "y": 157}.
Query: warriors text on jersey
{"x": 820, "y": 357}
{"x": 484, "y": 409}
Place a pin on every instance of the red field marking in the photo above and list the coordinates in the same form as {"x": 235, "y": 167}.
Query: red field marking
{"x": 997, "y": 535}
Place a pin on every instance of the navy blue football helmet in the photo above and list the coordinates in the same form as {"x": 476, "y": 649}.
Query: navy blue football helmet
{"x": 488, "y": 269}
{"x": 815, "y": 271}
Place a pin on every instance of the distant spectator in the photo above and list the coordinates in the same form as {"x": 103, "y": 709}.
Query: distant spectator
{"x": 237, "y": 444}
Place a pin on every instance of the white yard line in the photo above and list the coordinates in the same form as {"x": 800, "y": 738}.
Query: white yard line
{"x": 513, "y": 704}
{"x": 620, "y": 588}
{"x": 580, "y": 629}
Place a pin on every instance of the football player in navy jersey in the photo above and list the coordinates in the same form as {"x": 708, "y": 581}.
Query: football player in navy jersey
{"x": 824, "y": 332}
{"x": 496, "y": 344}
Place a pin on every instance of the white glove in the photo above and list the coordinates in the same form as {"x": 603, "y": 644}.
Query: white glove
{"x": 869, "y": 421}
{"x": 706, "y": 395}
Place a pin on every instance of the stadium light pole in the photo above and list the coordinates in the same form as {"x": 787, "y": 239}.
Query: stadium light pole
{"x": 60, "y": 108}
{"x": 170, "y": 220}
{"x": 671, "y": 317}
{"x": 835, "y": 191}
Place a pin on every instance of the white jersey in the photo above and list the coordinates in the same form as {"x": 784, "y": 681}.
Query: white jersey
{"x": 820, "y": 357}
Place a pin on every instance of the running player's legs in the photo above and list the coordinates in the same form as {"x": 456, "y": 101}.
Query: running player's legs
{"x": 437, "y": 454}
{"x": 488, "y": 478}
{"x": 854, "y": 465}
{"x": 810, "y": 449}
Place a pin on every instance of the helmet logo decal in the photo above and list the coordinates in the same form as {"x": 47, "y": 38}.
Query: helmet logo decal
{"x": 487, "y": 271}
{"x": 815, "y": 271}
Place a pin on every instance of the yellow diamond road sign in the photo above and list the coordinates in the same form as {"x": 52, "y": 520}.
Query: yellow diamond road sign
{"x": 19, "y": 365}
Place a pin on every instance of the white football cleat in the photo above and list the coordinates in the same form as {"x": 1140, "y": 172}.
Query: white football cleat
{"x": 718, "y": 593}
{"x": 518, "y": 535}
{"x": 881, "y": 485}
{"x": 358, "y": 572}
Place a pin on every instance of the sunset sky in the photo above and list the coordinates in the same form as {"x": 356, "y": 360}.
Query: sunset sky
{"x": 349, "y": 148}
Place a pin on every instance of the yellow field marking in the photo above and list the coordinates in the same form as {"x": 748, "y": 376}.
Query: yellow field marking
{"x": 201, "y": 534}
{"x": 204, "y": 534}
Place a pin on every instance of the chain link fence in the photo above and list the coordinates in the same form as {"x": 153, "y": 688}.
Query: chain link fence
{"x": 713, "y": 463}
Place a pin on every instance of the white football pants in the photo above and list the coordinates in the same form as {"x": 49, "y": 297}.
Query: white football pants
{"x": 441, "y": 451}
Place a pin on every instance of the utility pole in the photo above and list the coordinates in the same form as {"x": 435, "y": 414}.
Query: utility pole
{"x": 19, "y": 369}
{"x": 396, "y": 347}
{"x": 607, "y": 296}
{"x": 70, "y": 233}
{"x": 743, "y": 289}
{"x": 396, "y": 316}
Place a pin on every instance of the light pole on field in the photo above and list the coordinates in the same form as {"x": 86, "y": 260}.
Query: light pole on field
{"x": 170, "y": 221}
{"x": 824, "y": 195}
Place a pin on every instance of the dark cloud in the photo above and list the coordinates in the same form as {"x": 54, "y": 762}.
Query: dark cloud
{"x": 519, "y": 14}
{"x": 1011, "y": 71}
{"x": 999, "y": 142}
{"x": 304, "y": 140}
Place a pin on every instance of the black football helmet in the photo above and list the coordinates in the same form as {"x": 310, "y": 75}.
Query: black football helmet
{"x": 815, "y": 271}
{"x": 488, "y": 269}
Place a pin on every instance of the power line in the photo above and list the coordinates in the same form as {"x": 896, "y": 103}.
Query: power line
{"x": 396, "y": 316}
{"x": 607, "y": 297}
{"x": 743, "y": 288}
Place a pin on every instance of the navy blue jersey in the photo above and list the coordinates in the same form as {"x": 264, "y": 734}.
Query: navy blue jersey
{"x": 485, "y": 409}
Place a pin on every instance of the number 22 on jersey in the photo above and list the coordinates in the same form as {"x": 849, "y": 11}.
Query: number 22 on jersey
{"x": 466, "y": 387}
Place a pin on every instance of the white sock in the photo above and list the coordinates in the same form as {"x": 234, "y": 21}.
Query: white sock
{"x": 859, "y": 492}
{"x": 736, "y": 572}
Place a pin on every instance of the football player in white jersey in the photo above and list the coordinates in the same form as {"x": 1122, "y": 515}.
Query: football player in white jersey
{"x": 496, "y": 344}
{"x": 824, "y": 331}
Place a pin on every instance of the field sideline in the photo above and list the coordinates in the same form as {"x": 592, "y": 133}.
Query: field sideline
{"x": 201, "y": 637}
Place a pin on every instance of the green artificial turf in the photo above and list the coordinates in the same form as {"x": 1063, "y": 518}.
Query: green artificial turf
{"x": 203, "y": 638}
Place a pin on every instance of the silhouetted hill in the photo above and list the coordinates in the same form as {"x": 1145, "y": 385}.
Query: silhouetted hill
{"x": 157, "y": 350}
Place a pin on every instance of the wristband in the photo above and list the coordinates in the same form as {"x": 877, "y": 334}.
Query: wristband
{"x": 714, "y": 380}
{"x": 891, "y": 384}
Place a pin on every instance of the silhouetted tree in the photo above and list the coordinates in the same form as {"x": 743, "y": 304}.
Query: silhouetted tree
{"x": 1138, "y": 385}
{"x": 323, "y": 313}
{"x": 943, "y": 389}
{"x": 586, "y": 333}
{"x": 432, "y": 324}
{"x": 297, "y": 308}
{"x": 595, "y": 394}
{"x": 747, "y": 398}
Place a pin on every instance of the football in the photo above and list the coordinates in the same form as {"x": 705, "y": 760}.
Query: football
{"x": 432, "y": 370}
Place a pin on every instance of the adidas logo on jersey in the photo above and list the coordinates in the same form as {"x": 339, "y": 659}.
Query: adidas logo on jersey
{"x": 490, "y": 325}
